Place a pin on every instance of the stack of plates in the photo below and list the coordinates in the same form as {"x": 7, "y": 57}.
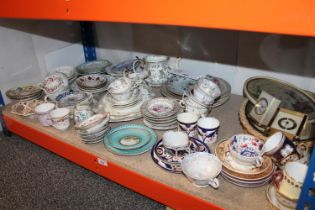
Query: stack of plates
{"x": 93, "y": 129}
{"x": 167, "y": 159}
{"x": 93, "y": 67}
{"x": 92, "y": 83}
{"x": 241, "y": 175}
{"x": 160, "y": 113}
{"x": 130, "y": 139}
{"x": 24, "y": 93}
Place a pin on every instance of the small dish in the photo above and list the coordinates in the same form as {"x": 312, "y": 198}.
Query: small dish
{"x": 91, "y": 81}
{"x": 122, "y": 133}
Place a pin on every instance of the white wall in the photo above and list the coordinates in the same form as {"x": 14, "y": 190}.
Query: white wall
{"x": 24, "y": 45}
{"x": 30, "y": 49}
{"x": 234, "y": 56}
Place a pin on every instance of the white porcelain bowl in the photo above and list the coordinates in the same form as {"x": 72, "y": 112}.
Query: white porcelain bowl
{"x": 202, "y": 168}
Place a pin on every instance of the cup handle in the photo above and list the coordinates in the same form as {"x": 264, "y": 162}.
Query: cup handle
{"x": 259, "y": 161}
{"x": 277, "y": 177}
{"x": 214, "y": 183}
{"x": 46, "y": 98}
{"x": 182, "y": 104}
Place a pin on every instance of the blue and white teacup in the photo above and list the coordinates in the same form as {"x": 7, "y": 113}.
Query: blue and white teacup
{"x": 207, "y": 129}
{"x": 187, "y": 122}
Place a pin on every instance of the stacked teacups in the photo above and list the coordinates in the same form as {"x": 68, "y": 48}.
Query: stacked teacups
{"x": 287, "y": 184}
{"x": 201, "y": 96}
{"x": 243, "y": 163}
{"x": 202, "y": 168}
{"x": 93, "y": 129}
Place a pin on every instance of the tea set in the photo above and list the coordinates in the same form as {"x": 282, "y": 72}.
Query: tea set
{"x": 94, "y": 94}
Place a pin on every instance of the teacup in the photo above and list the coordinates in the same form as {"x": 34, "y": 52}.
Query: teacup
{"x": 280, "y": 148}
{"x": 189, "y": 106}
{"x": 207, "y": 129}
{"x": 206, "y": 85}
{"x": 187, "y": 122}
{"x": 289, "y": 181}
{"x": 201, "y": 169}
{"x": 176, "y": 140}
{"x": 82, "y": 112}
{"x": 121, "y": 89}
{"x": 43, "y": 110}
{"x": 246, "y": 150}
{"x": 60, "y": 118}
{"x": 202, "y": 96}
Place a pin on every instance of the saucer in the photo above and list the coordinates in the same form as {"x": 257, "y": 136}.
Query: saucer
{"x": 272, "y": 198}
{"x": 166, "y": 158}
{"x": 133, "y": 134}
{"x": 178, "y": 84}
{"x": 222, "y": 151}
{"x": 160, "y": 107}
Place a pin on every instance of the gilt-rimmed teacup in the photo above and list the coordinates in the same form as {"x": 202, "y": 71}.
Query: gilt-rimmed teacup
{"x": 280, "y": 148}
{"x": 246, "y": 150}
{"x": 60, "y": 118}
{"x": 207, "y": 129}
{"x": 289, "y": 181}
{"x": 187, "y": 122}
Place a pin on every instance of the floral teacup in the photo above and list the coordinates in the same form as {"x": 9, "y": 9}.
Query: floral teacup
{"x": 246, "y": 150}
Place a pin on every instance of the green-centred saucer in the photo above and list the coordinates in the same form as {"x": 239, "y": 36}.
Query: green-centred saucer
{"x": 130, "y": 139}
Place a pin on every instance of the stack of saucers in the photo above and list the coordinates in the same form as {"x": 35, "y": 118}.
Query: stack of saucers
{"x": 93, "y": 129}
{"x": 92, "y": 83}
{"x": 24, "y": 93}
{"x": 241, "y": 175}
{"x": 130, "y": 139}
{"x": 160, "y": 113}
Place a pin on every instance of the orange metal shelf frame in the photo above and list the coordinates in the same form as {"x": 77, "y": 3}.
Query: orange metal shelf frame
{"x": 280, "y": 16}
{"x": 137, "y": 182}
